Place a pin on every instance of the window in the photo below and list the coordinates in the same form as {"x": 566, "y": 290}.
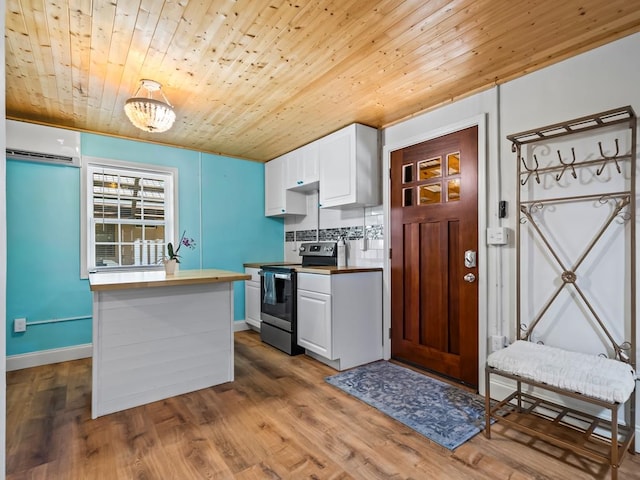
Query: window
{"x": 129, "y": 214}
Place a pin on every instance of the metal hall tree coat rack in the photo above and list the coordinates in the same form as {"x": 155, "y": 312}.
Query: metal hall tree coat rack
{"x": 594, "y": 174}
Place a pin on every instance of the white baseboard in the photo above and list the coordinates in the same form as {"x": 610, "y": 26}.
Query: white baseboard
{"x": 240, "y": 325}
{"x": 335, "y": 364}
{"x": 46, "y": 357}
{"x": 56, "y": 355}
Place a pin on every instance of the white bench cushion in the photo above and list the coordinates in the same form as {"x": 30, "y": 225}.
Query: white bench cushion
{"x": 590, "y": 375}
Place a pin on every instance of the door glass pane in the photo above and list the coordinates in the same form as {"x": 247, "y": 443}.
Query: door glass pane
{"x": 430, "y": 193}
{"x": 407, "y": 173}
{"x": 453, "y": 190}
{"x": 407, "y": 197}
{"x": 431, "y": 168}
{"x": 453, "y": 163}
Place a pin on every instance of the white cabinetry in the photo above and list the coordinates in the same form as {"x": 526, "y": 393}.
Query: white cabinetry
{"x": 340, "y": 317}
{"x": 279, "y": 201}
{"x": 252, "y": 298}
{"x": 314, "y": 301}
{"x": 302, "y": 168}
{"x": 349, "y": 167}
{"x": 344, "y": 166}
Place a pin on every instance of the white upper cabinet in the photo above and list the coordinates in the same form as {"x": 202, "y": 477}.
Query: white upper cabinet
{"x": 343, "y": 166}
{"x": 291, "y": 167}
{"x": 302, "y": 168}
{"x": 279, "y": 201}
{"x": 349, "y": 167}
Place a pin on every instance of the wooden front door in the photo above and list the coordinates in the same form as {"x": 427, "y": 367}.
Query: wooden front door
{"x": 434, "y": 221}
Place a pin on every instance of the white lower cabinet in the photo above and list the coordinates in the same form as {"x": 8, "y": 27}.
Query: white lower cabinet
{"x": 252, "y": 298}
{"x": 314, "y": 331}
{"x": 340, "y": 317}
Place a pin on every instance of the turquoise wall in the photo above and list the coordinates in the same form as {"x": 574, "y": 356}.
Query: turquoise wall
{"x": 221, "y": 206}
{"x": 235, "y": 230}
{"x": 43, "y": 257}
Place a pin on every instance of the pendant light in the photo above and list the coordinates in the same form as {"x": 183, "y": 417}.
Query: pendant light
{"x": 147, "y": 113}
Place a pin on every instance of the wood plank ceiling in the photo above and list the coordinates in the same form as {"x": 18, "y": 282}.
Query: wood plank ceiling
{"x": 257, "y": 78}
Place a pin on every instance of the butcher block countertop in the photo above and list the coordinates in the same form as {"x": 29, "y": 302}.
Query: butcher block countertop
{"x": 260, "y": 264}
{"x": 158, "y": 278}
{"x": 315, "y": 269}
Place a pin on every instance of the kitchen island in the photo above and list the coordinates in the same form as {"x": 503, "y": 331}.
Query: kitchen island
{"x": 156, "y": 335}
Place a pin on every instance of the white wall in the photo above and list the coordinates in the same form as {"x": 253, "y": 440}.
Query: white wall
{"x": 599, "y": 80}
{"x": 596, "y": 81}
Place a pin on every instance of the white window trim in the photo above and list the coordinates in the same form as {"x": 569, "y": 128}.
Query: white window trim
{"x": 89, "y": 161}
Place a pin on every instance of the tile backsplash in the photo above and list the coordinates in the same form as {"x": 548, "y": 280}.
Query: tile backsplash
{"x": 362, "y": 227}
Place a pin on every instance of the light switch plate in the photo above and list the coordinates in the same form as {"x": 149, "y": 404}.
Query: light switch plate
{"x": 497, "y": 236}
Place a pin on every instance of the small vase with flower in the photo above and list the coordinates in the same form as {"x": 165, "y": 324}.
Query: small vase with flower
{"x": 172, "y": 258}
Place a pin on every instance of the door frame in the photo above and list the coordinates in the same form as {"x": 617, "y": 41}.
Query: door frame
{"x": 481, "y": 122}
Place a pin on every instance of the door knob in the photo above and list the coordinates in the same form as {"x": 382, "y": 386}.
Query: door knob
{"x": 469, "y": 277}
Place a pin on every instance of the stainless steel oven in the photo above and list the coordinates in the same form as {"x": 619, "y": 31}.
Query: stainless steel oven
{"x": 278, "y": 308}
{"x": 278, "y": 305}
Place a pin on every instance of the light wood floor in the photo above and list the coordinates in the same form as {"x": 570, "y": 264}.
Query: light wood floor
{"x": 277, "y": 420}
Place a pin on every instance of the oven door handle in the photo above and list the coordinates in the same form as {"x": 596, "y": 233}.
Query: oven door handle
{"x": 281, "y": 276}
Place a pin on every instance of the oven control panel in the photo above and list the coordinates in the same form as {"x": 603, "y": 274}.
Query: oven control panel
{"x": 318, "y": 249}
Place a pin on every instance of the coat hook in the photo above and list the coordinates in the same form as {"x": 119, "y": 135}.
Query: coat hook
{"x": 530, "y": 170}
{"x": 607, "y": 158}
{"x": 567, "y": 165}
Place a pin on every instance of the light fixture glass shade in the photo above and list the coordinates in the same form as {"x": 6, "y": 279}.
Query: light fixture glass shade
{"x": 147, "y": 113}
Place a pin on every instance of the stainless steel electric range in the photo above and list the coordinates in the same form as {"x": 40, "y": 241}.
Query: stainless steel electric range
{"x": 278, "y": 306}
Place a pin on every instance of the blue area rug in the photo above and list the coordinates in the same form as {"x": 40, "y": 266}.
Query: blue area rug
{"x": 441, "y": 412}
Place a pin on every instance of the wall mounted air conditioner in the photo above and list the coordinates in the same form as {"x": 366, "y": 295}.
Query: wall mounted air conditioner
{"x": 38, "y": 143}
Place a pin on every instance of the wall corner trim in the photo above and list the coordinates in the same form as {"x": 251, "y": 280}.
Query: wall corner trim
{"x": 46, "y": 357}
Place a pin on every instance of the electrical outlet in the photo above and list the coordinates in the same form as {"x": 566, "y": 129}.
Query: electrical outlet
{"x": 20, "y": 325}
